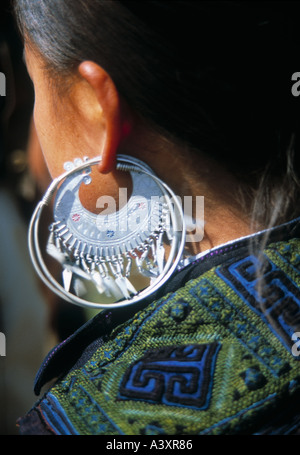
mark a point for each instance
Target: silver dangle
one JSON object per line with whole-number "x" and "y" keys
{"x": 114, "y": 259}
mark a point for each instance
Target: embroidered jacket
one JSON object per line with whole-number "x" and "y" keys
{"x": 216, "y": 352}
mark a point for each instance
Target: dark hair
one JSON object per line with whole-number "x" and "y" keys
{"x": 215, "y": 75}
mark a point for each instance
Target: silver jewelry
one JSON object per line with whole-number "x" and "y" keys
{"x": 107, "y": 255}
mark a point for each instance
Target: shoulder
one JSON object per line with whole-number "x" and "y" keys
{"x": 215, "y": 356}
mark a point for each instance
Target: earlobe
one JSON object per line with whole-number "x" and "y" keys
{"x": 109, "y": 99}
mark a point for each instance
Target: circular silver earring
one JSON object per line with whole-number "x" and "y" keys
{"x": 113, "y": 259}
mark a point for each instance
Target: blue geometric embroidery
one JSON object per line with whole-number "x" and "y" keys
{"x": 56, "y": 417}
{"x": 174, "y": 376}
{"x": 279, "y": 304}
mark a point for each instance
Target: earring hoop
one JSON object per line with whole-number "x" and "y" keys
{"x": 90, "y": 251}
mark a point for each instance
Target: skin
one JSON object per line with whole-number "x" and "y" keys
{"x": 89, "y": 118}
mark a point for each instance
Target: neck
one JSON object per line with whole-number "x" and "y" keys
{"x": 196, "y": 178}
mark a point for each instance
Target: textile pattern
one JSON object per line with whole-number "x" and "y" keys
{"x": 214, "y": 357}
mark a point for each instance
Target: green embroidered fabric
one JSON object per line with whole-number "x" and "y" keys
{"x": 215, "y": 357}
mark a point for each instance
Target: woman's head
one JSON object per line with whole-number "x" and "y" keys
{"x": 212, "y": 75}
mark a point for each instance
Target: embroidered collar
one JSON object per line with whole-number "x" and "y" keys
{"x": 76, "y": 349}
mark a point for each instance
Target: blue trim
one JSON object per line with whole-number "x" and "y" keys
{"x": 56, "y": 417}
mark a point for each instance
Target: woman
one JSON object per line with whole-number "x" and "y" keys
{"x": 201, "y": 93}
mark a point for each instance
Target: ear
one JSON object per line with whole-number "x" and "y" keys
{"x": 109, "y": 99}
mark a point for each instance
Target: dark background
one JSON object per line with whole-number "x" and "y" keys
{"x": 32, "y": 319}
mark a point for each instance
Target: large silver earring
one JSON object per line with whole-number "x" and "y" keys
{"x": 109, "y": 260}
